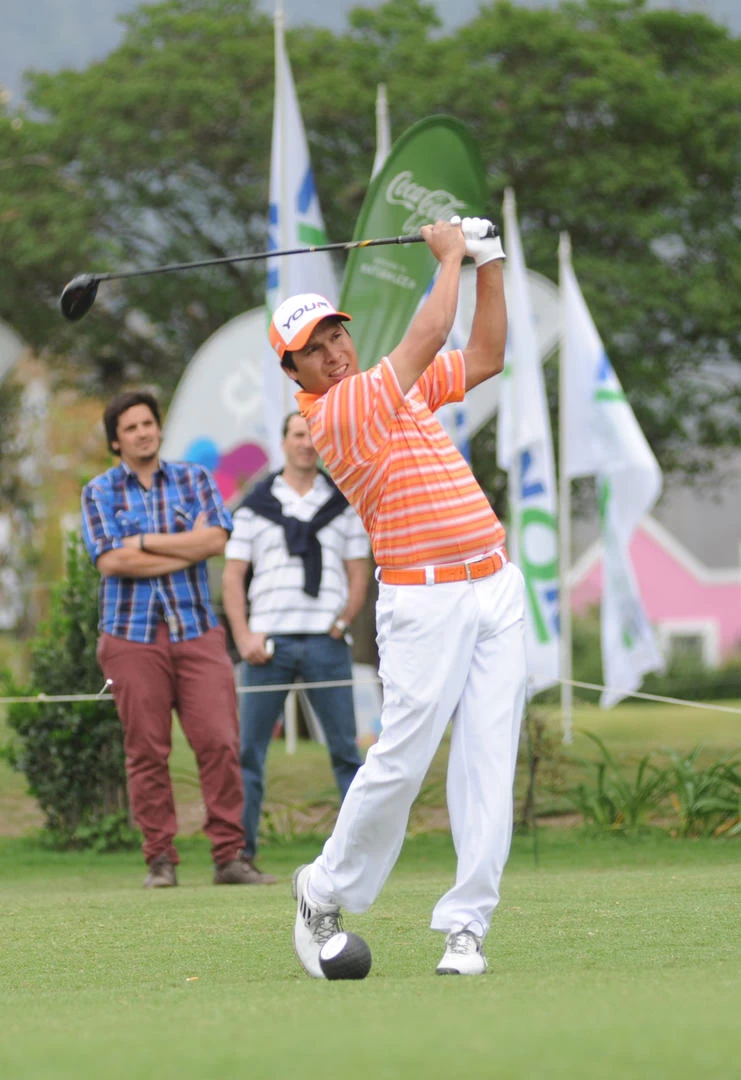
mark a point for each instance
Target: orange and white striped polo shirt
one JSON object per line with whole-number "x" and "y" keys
{"x": 388, "y": 454}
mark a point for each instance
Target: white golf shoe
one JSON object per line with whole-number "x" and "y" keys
{"x": 463, "y": 955}
{"x": 315, "y": 924}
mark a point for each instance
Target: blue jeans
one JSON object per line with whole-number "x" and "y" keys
{"x": 308, "y": 658}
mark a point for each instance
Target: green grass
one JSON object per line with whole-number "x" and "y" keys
{"x": 634, "y": 728}
{"x": 611, "y": 958}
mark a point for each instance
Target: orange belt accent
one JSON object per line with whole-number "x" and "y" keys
{"x": 441, "y": 575}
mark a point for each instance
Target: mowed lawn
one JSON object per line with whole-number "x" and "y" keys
{"x": 611, "y": 957}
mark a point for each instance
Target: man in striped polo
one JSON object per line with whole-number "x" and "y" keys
{"x": 149, "y": 527}
{"x": 307, "y": 553}
{"x": 450, "y": 611}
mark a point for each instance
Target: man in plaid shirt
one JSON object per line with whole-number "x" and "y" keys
{"x": 149, "y": 527}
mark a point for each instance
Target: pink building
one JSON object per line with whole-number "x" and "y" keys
{"x": 688, "y": 566}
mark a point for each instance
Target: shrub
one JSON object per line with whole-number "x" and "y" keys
{"x": 697, "y": 683}
{"x": 71, "y": 752}
{"x": 619, "y": 799}
{"x": 706, "y": 800}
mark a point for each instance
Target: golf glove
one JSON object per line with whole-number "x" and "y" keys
{"x": 480, "y": 247}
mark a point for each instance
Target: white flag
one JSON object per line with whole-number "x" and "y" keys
{"x": 525, "y": 451}
{"x": 603, "y": 439}
{"x": 295, "y": 221}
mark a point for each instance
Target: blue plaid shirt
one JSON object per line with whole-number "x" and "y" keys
{"x": 115, "y": 505}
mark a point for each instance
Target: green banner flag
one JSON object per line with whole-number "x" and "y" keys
{"x": 433, "y": 171}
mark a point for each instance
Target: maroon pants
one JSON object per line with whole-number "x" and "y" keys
{"x": 195, "y": 678}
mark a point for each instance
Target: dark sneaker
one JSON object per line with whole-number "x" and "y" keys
{"x": 241, "y": 871}
{"x": 463, "y": 955}
{"x": 315, "y": 925}
{"x": 161, "y": 874}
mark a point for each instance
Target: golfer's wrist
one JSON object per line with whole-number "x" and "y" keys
{"x": 340, "y": 624}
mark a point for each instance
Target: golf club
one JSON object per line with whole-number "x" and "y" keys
{"x": 78, "y": 296}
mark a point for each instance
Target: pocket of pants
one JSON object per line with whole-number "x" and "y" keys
{"x": 108, "y": 648}
{"x": 386, "y": 606}
{"x": 105, "y": 652}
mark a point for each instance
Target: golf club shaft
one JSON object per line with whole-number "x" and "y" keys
{"x": 346, "y": 245}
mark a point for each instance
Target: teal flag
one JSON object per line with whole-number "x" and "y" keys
{"x": 433, "y": 171}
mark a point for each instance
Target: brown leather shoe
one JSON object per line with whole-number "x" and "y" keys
{"x": 241, "y": 871}
{"x": 161, "y": 874}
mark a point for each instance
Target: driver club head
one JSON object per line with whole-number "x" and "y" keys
{"x": 79, "y": 296}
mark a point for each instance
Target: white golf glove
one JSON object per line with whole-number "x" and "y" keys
{"x": 480, "y": 247}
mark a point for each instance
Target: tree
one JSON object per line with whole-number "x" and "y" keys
{"x": 16, "y": 505}
{"x": 617, "y": 124}
{"x": 46, "y": 221}
{"x": 158, "y": 154}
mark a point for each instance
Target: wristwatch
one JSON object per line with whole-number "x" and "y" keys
{"x": 341, "y": 624}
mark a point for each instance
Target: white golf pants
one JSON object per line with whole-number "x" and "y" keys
{"x": 453, "y": 651}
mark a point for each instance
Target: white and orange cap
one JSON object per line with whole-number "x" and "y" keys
{"x": 294, "y": 320}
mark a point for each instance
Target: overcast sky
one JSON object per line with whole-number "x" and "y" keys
{"x": 48, "y": 34}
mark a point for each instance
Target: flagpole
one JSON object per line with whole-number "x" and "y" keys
{"x": 513, "y": 477}
{"x": 290, "y": 706}
{"x": 280, "y": 108}
{"x": 509, "y": 213}
{"x": 564, "y": 520}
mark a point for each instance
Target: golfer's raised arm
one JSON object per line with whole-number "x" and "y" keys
{"x": 433, "y": 322}
{"x": 484, "y": 353}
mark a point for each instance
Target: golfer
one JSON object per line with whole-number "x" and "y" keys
{"x": 450, "y": 608}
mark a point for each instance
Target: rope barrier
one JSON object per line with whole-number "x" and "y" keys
{"x": 49, "y": 699}
{"x": 655, "y": 697}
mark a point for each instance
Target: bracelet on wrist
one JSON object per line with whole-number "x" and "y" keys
{"x": 141, "y": 542}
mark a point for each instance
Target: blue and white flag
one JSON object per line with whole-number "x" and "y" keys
{"x": 525, "y": 452}
{"x": 295, "y": 221}
{"x": 603, "y": 439}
